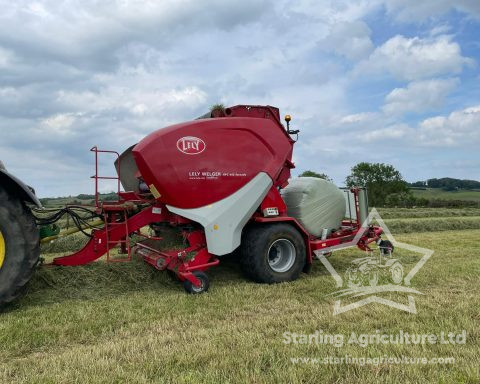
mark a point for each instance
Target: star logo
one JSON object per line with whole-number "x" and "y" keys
{"x": 362, "y": 277}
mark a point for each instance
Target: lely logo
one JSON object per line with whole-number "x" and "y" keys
{"x": 191, "y": 145}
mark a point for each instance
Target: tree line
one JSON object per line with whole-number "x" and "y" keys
{"x": 387, "y": 188}
{"x": 447, "y": 184}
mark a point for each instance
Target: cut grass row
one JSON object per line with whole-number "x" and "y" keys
{"x": 398, "y": 213}
{"x": 432, "y": 224}
{"x": 125, "y": 323}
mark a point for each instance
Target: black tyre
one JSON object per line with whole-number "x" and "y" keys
{"x": 190, "y": 288}
{"x": 19, "y": 247}
{"x": 273, "y": 253}
{"x": 386, "y": 247}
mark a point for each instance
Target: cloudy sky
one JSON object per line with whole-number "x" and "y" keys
{"x": 394, "y": 81}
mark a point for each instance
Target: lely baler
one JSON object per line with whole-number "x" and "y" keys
{"x": 221, "y": 180}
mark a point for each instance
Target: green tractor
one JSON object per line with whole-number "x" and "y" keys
{"x": 19, "y": 237}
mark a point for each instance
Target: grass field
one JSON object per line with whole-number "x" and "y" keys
{"x": 125, "y": 323}
{"x": 438, "y": 193}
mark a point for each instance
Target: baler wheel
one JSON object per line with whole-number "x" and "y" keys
{"x": 190, "y": 288}
{"x": 19, "y": 246}
{"x": 273, "y": 253}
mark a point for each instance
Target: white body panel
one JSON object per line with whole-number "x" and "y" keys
{"x": 224, "y": 220}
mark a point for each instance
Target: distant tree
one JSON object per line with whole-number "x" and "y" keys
{"x": 84, "y": 196}
{"x": 315, "y": 174}
{"x": 402, "y": 199}
{"x": 450, "y": 187}
{"x": 112, "y": 196}
{"x": 450, "y": 184}
{"x": 380, "y": 180}
{"x": 418, "y": 184}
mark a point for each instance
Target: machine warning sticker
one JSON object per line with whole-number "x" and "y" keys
{"x": 191, "y": 145}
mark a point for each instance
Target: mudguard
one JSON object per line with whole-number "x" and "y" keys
{"x": 13, "y": 184}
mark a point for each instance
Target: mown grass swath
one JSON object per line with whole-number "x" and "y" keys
{"x": 128, "y": 323}
{"x": 108, "y": 323}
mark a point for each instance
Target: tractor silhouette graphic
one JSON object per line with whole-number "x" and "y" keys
{"x": 367, "y": 270}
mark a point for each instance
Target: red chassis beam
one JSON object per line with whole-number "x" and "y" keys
{"x": 98, "y": 246}
{"x": 182, "y": 262}
{"x": 346, "y": 236}
{"x": 341, "y": 237}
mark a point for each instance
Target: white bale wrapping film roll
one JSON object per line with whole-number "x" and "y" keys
{"x": 318, "y": 204}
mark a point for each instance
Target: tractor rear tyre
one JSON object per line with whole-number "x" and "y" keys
{"x": 19, "y": 247}
{"x": 273, "y": 253}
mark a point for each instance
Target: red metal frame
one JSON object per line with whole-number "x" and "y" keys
{"x": 194, "y": 258}
{"x": 99, "y": 245}
{"x": 110, "y": 219}
{"x": 183, "y": 262}
{"x": 97, "y": 177}
{"x": 120, "y": 221}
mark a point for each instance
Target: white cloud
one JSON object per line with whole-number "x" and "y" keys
{"x": 150, "y": 99}
{"x": 58, "y": 124}
{"x": 349, "y": 39}
{"x": 331, "y": 11}
{"x": 77, "y": 74}
{"x": 419, "y": 96}
{"x": 459, "y": 128}
{"x": 419, "y": 10}
{"x": 5, "y": 57}
{"x": 37, "y": 9}
{"x": 441, "y": 29}
{"x": 9, "y": 93}
{"x": 92, "y": 32}
{"x": 386, "y": 135}
{"x": 358, "y": 118}
{"x": 415, "y": 58}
